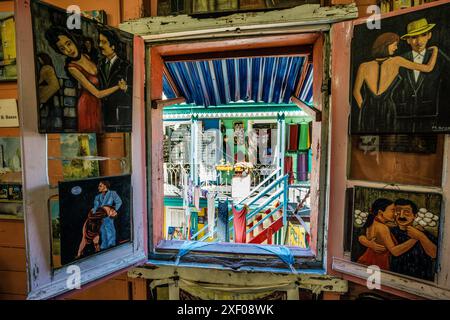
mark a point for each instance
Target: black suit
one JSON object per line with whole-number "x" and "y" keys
{"x": 117, "y": 107}
{"x": 421, "y": 103}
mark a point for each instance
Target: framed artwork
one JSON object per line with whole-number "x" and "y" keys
{"x": 84, "y": 76}
{"x": 10, "y": 155}
{"x": 94, "y": 216}
{"x": 400, "y": 77}
{"x": 56, "y": 231}
{"x": 8, "y": 65}
{"x": 76, "y": 149}
{"x": 97, "y": 15}
{"x": 397, "y": 231}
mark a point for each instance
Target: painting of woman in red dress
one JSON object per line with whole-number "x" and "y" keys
{"x": 80, "y": 67}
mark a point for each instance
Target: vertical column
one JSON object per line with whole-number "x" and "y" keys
{"x": 282, "y": 141}
{"x": 194, "y": 150}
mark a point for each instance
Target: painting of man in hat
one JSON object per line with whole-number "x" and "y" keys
{"x": 420, "y": 98}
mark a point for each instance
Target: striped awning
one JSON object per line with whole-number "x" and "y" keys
{"x": 271, "y": 80}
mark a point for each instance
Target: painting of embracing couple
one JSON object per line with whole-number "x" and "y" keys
{"x": 401, "y": 74}
{"x": 396, "y": 231}
{"x": 95, "y": 215}
{"x": 84, "y": 76}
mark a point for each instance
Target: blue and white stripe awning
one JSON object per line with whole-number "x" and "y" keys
{"x": 220, "y": 82}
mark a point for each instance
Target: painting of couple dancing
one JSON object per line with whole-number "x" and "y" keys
{"x": 396, "y": 231}
{"x": 401, "y": 74}
{"x": 84, "y": 76}
{"x": 94, "y": 215}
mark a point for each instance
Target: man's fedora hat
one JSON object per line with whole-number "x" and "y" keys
{"x": 418, "y": 27}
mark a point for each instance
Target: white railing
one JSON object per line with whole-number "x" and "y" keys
{"x": 221, "y": 183}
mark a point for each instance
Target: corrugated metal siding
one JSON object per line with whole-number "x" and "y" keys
{"x": 219, "y": 82}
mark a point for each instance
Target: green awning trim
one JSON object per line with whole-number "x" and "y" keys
{"x": 178, "y": 202}
{"x": 232, "y": 110}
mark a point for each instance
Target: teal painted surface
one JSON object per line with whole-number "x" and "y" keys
{"x": 178, "y": 202}
{"x": 249, "y": 107}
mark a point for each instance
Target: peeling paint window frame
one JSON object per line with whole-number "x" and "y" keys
{"x": 166, "y": 253}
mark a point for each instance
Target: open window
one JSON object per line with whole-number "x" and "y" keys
{"x": 68, "y": 159}
{"x": 243, "y": 154}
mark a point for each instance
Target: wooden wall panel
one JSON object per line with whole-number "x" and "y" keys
{"x": 398, "y": 167}
{"x": 55, "y": 168}
{"x": 111, "y": 145}
{"x": 8, "y": 90}
{"x": 252, "y": 4}
{"x": 13, "y": 282}
{"x": 114, "y": 289}
{"x": 6, "y": 6}
{"x": 12, "y": 259}
{"x": 112, "y": 7}
{"x": 8, "y": 296}
{"x": 12, "y": 234}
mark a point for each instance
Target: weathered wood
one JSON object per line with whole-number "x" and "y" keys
{"x": 139, "y": 289}
{"x": 155, "y": 170}
{"x": 331, "y": 296}
{"x": 268, "y": 52}
{"x": 341, "y": 35}
{"x": 314, "y": 282}
{"x": 444, "y": 244}
{"x": 414, "y": 286}
{"x": 174, "y": 291}
{"x": 12, "y": 259}
{"x": 7, "y": 296}
{"x": 319, "y": 149}
{"x": 181, "y": 25}
{"x": 114, "y": 289}
{"x": 13, "y": 282}
{"x": 314, "y": 113}
{"x": 12, "y": 233}
{"x": 159, "y": 104}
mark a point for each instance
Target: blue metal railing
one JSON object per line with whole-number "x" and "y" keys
{"x": 281, "y": 184}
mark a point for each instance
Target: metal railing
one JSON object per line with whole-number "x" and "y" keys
{"x": 275, "y": 190}
{"x": 221, "y": 183}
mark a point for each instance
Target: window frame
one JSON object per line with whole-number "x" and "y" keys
{"x": 43, "y": 281}
{"x": 191, "y": 49}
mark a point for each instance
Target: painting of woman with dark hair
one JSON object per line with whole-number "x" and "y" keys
{"x": 376, "y": 81}
{"x": 84, "y": 71}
